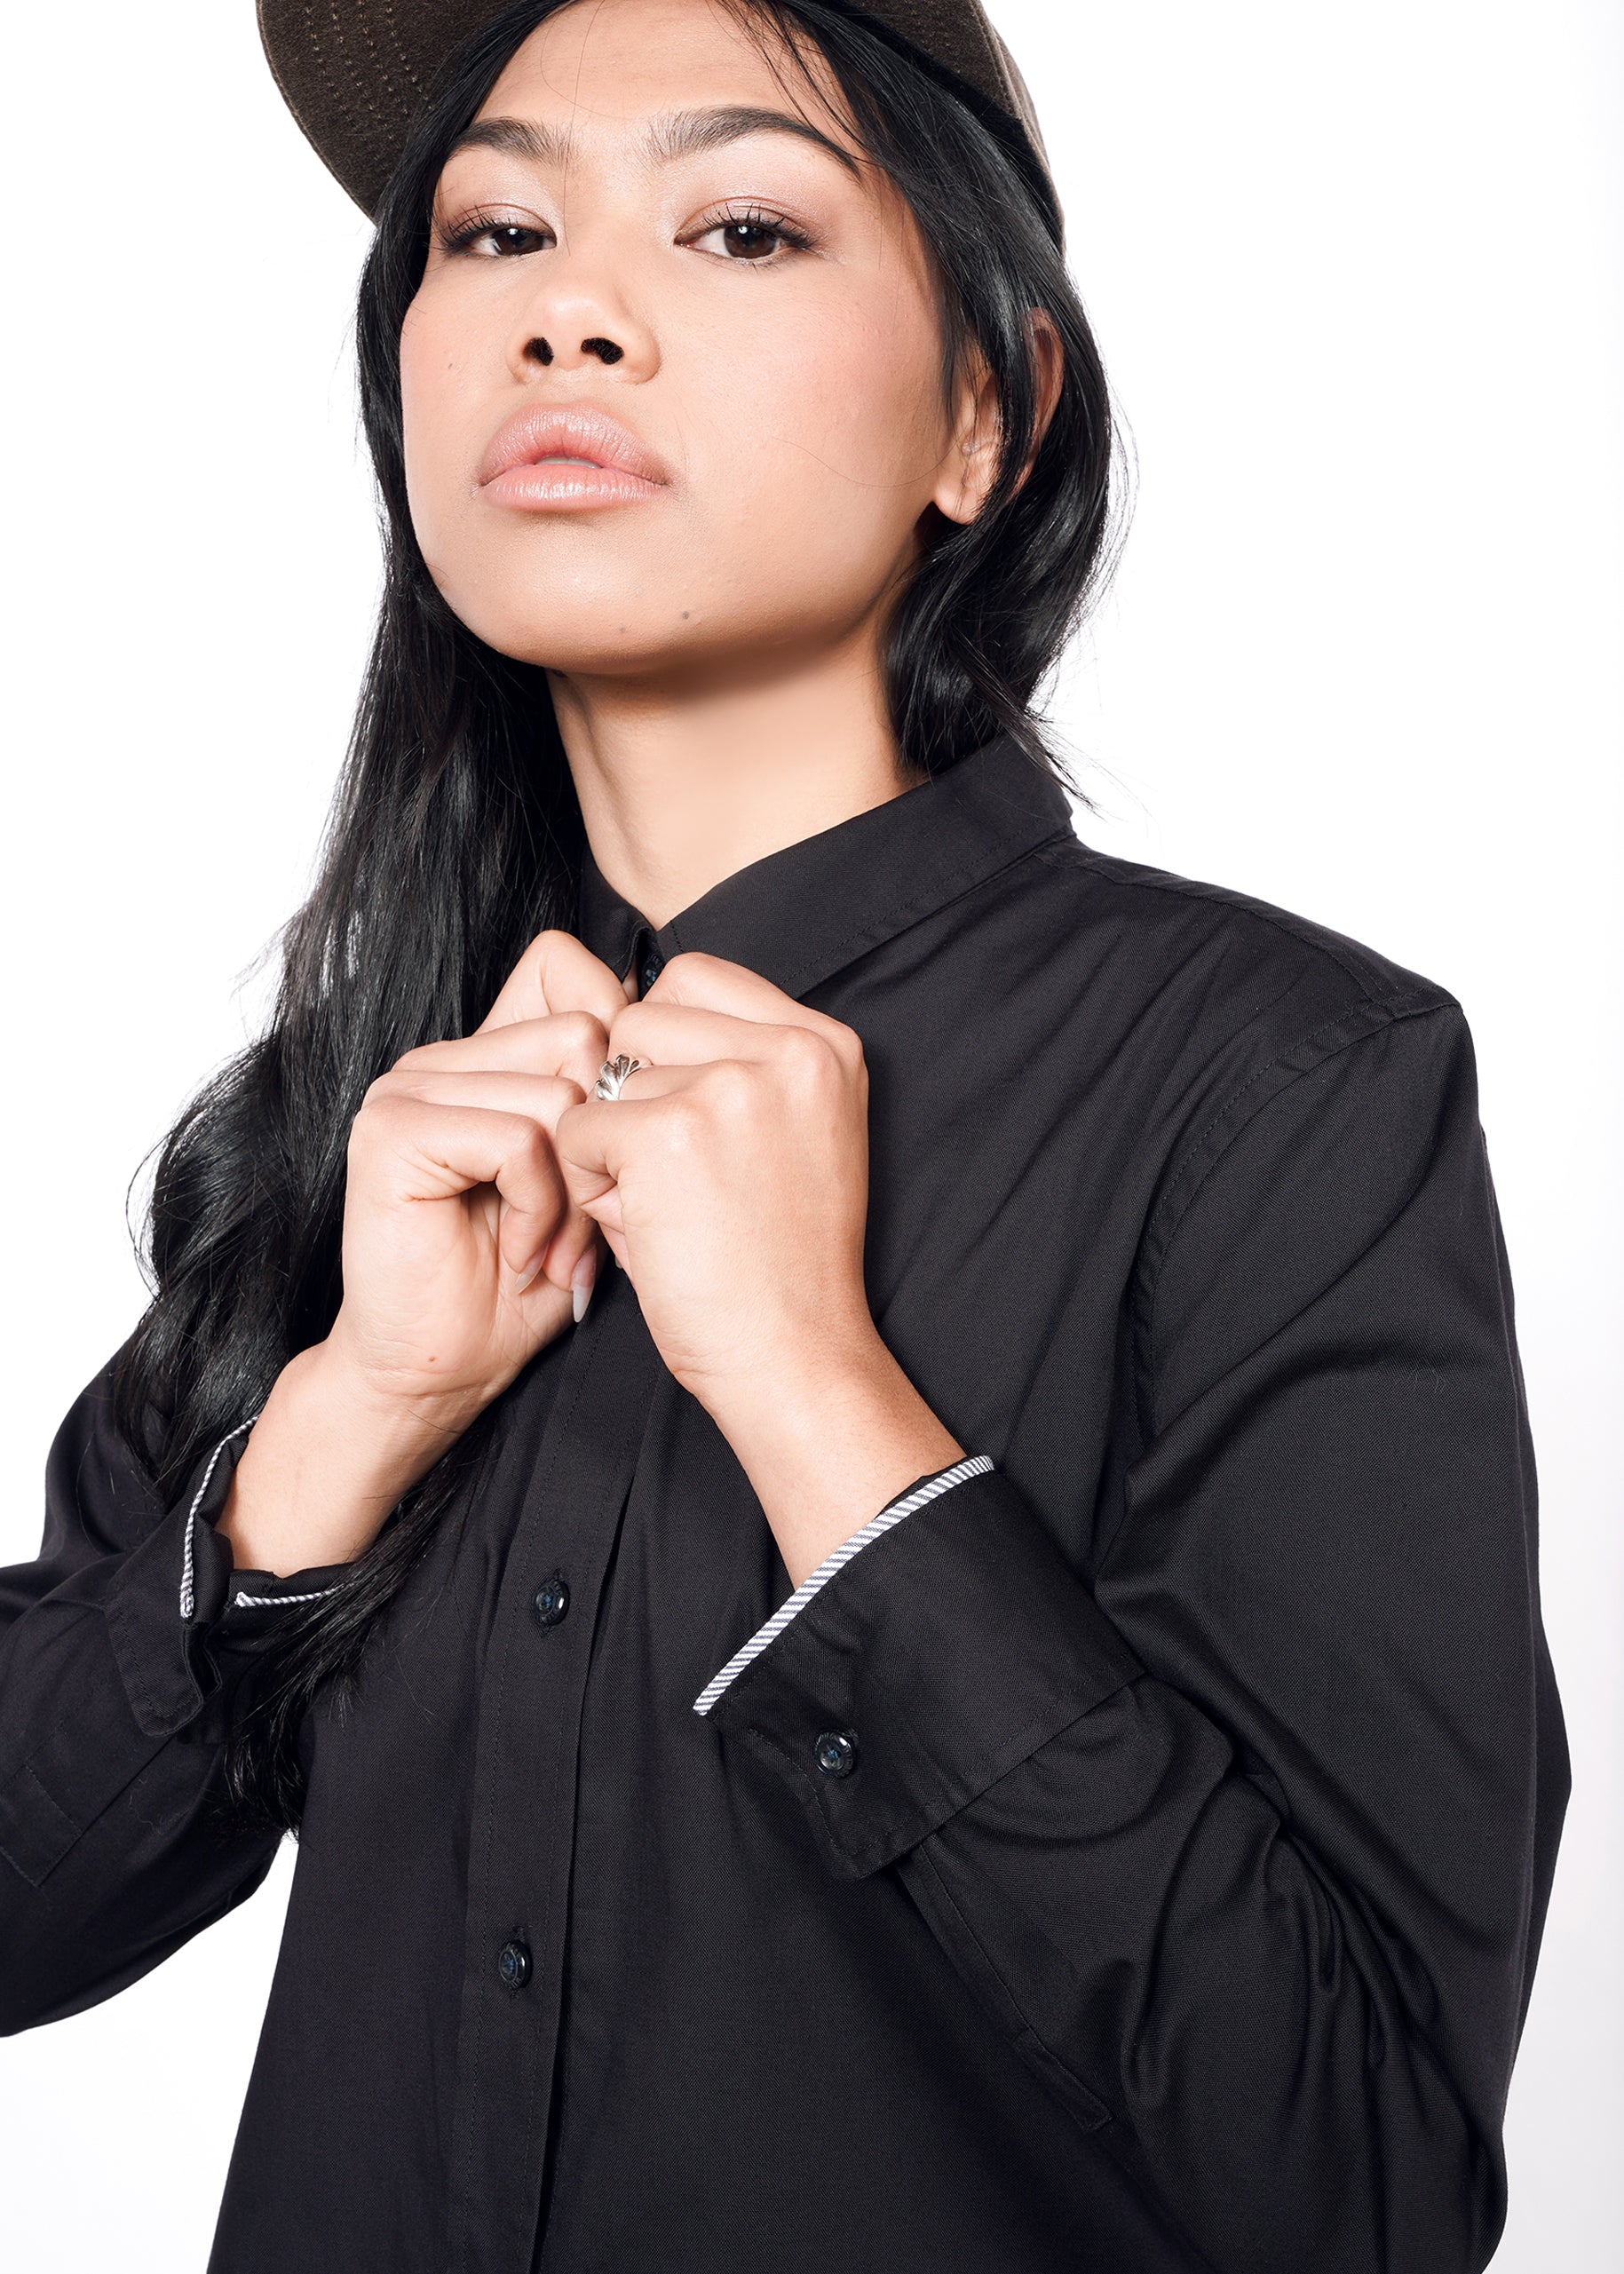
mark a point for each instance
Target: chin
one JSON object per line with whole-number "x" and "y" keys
{"x": 550, "y": 637}
{"x": 615, "y": 632}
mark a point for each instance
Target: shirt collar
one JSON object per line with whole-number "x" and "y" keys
{"x": 802, "y": 914}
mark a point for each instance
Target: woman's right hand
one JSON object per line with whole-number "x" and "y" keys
{"x": 461, "y": 1254}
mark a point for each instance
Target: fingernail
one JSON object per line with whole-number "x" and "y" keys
{"x": 522, "y": 1279}
{"x": 583, "y": 1280}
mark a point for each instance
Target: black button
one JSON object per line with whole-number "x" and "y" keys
{"x": 649, "y": 961}
{"x": 551, "y": 1600}
{"x": 836, "y": 1753}
{"x": 513, "y": 1964}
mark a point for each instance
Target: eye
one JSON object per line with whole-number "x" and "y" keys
{"x": 488, "y": 237}
{"x": 753, "y": 238}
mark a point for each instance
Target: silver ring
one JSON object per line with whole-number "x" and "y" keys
{"x": 612, "y": 1078}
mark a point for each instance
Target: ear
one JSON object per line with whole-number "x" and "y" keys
{"x": 1049, "y": 370}
{"x": 970, "y": 464}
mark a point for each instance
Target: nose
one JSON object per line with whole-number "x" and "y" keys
{"x": 579, "y": 307}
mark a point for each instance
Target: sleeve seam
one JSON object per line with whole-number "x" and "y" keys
{"x": 1347, "y": 955}
{"x": 1397, "y": 1008}
{"x": 921, "y": 1861}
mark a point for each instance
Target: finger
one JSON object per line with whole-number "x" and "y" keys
{"x": 415, "y": 1149}
{"x": 573, "y": 1044}
{"x": 543, "y": 1097}
{"x": 590, "y": 1177}
{"x": 557, "y": 972}
{"x": 591, "y": 1155}
{"x": 593, "y": 1150}
{"x": 595, "y": 1139}
{"x": 713, "y": 983}
{"x": 539, "y": 1098}
{"x": 663, "y": 1034}
{"x": 705, "y": 1007}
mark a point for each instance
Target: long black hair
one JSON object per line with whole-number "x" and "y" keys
{"x": 455, "y": 834}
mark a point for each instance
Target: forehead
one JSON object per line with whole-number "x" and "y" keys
{"x": 604, "y": 68}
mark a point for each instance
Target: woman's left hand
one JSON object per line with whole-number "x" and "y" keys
{"x": 731, "y": 1179}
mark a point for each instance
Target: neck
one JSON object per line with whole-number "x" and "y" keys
{"x": 681, "y": 786}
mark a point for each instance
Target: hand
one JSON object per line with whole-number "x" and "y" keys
{"x": 731, "y": 1179}
{"x": 461, "y": 1245}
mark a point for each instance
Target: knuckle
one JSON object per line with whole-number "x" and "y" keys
{"x": 844, "y": 1042}
{"x": 731, "y": 1087}
{"x": 802, "y": 1047}
{"x": 368, "y": 1132}
{"x": 807, "y": 1060}
{"x": 688, "y": 962}
{"x": 580, "y": 1030}
{"x": 682, "y": 1124}
{"x": 543, "y": 949}
{"x": 532, "y": 1149}
{"x": 377, "y": 1097}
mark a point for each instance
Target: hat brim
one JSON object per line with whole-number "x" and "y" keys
{"x": 356, "y": 73}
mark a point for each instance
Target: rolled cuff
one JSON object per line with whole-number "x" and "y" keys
{"x": 940, "y": 1480}
{"x": 861, "y": 1703}
{"x": 178, "y": 1592}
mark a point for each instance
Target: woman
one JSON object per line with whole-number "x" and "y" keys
{"x": 860, "y": 1474}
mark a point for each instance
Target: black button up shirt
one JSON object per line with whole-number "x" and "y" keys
{"x": 1130, "y": 1851}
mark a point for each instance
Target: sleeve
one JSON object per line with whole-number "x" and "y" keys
{"x": 123, "y": 1651}
{"x": 1244, "y": 1841}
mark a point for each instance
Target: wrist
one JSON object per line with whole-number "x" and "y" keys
{"x": 394, "y": 1408}
{"x": 327, "y": 1459}
{"x": 397, "y": 1424}
{"x": 827, "y": 1441}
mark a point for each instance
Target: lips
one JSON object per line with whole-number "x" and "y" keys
{"x": 539, "y": 436}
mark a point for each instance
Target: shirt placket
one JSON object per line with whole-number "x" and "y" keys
{"x": 573, "y": 1489}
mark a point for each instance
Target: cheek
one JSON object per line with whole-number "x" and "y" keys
{"x": 832, "y": 423}
{"x": 431, "y": 383}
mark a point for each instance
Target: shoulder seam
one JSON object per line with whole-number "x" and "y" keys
{"x": 1302, "y": 930}
{"x": 1358, "y": 1022}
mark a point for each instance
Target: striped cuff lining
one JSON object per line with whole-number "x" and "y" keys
{"x": 188, "y": 1568}
{"x": 976, "y": 1465}
{"x": 315, "y": 1595}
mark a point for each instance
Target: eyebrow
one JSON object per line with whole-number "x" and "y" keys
{"x": 674, "y": 134}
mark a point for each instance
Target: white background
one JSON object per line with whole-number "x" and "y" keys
{"x": 1356, "y": 274}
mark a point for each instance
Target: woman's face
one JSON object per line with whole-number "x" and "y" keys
{"x": 751, "y": 309}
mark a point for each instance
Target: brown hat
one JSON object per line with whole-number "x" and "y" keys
{"x": 354, "y": 72}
